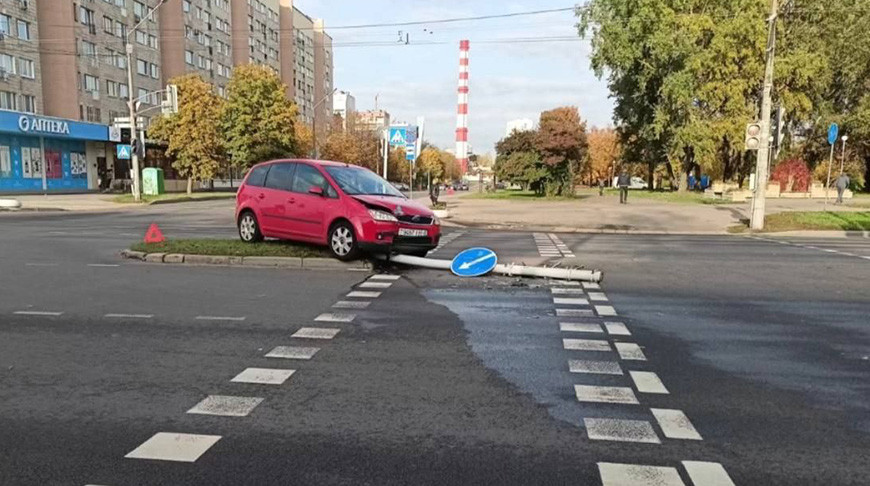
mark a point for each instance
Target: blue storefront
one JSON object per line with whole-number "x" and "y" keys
{"x": 44, "y": 154}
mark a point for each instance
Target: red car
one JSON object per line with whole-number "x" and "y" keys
{"x": 348, "y": 208}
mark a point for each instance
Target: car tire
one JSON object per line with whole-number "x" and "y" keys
{"x": 249, "y": 228}
{"x": 342, "y": 242}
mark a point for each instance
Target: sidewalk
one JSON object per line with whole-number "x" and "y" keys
{"x": 71, "y": 202}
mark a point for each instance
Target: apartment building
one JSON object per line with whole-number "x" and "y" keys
{"x": 322, "y": 73}
{"x": 20, "y": 68}
{"x": 375, "y": 120}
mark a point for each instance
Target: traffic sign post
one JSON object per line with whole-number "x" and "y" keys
{"x": 833, "y": 131}
{"x": 474, "y": 262}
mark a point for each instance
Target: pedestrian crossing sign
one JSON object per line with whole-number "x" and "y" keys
{"x": 398, "y": 136}
{"x": 124, "y": 152}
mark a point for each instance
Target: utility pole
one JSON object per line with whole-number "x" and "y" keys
{"x": 843, "y": 157}
{"x": 386, "y": 150}
{"x": 314, "y": 128}
{"x": 762, "y": 164}
{"x": 131, "y": 101}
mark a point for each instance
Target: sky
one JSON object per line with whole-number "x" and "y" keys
{"x": 509, "y": 79}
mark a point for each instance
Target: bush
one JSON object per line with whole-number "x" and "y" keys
{"x": 793, "y": 175}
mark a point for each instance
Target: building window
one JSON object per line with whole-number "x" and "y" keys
{"x": 120, "y": 30}
{"x": 8, "y": 100}
{"x": 185, "y": 5}
{"x": 139, "y": 9}
{"x": 26, "y": 68}
{"x": 142, "y": 67}
{"x": 155, "y": 71}
{"x": 89, "y": 49}
{"x": 5, "y": 24}
{"x": 91, "y": 83}
{"x": 121, "y": 61}
{"x": 93, "y": 114}
{"x": 7, "y": 64}
{"x": 23, "y": 30}
{"x": 121, "y": 3}
{"x": 28, "y": 103}
{"x": 188, "y": 57}
{"x": 152, "y": 41}
{"x": 141, "y": 38}
{"x": 112, "y": 89}
{"x": 86, "y": 17}
{"x": 123, "y": 91}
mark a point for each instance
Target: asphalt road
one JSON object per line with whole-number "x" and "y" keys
{"x": 762, "y": 347}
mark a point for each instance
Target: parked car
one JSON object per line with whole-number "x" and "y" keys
{"x": 463, "y": 186}
{"x": 401, "y": 186}
{"x": 348, "y": 208}
{"x": 636, "y": 183}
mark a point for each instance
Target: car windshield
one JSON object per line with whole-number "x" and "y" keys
{"x": 356, "y": 181}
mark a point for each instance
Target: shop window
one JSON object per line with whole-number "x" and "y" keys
{"x": 31, "y": 162}
{"x": 5, "y": 161}
{"x": 78, "y": 165}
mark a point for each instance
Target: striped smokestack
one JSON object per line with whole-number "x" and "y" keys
{"x": 462, "y": 109}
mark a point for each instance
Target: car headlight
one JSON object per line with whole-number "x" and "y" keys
{"x": 436, "y": 221}
{"x": 382, "y": 216}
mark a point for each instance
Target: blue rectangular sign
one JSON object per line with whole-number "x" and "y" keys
{"x": 398, "y": 136}
{"x": 42, "y": 126}
{"x": 124, "y": 151}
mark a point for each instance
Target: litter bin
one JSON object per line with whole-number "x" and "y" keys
{"x": 152, "y": 182}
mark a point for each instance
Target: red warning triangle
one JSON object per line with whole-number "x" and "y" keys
{"x": 154, "y": 235}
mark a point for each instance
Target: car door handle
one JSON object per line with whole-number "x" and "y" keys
{"x": 262, "y": 196}
{"x": 291, "y": 201}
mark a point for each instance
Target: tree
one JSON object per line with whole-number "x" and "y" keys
{"x": 193, "y": 140}
{"x": 604, "y": 153}
{"x": 430, "y": 163}
{"x": 304, "y": 139}
{"x": 258, "y": 121}
{"x": 561, "y": 142}
{"x": 522, "y": 142}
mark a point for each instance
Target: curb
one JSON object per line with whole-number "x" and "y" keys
{"x": 253, "y": 262}
{"x": 571, "y": 229}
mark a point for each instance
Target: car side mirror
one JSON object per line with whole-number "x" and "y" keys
{"x": 318, "y": 191}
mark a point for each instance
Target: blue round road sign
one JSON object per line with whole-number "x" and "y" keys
{"x": 474, "y": 262}
{"x": 833, "y": 131}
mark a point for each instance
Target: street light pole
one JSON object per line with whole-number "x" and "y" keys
{"x": 314, "y": 128}
{"x": 843, "y": 157}
{"x": 131, "y": 101}
{"x": 761, "y": 167}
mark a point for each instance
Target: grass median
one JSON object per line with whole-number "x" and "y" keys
{"x": 174, "y": 198}
{"x": 813, "y": 221}
{"x": 517, "y": 195}
{"x": 234, "y": 248}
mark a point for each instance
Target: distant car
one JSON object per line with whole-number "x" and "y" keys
{"x": 636, "y": 183}
{"x": 401, "y": 186}
{"x": 463, "y": 186}
{"x": 348, "y": 208}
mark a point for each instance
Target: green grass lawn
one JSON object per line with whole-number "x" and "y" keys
{"x": 234, "y": 248}
{"x": 813, "y": 220}
{"x": 671, "y": 196}
{"x": 174, "y": 197}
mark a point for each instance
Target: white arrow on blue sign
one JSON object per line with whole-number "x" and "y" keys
{"x": 124, "y": 152}
{"x": 833, "y": 131}
{"x": 474, "y": 262}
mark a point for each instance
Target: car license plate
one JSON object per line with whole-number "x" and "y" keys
{"x": 412, "y": 232}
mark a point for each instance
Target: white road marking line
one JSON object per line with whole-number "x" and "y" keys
{"x": 597, "y": 296}
{"x": 605, "y": 394}
{"x": 829, "y": 250}
{"x": 578, "y": 327}
{"x": 648, "y": 382}
{"x": 41, "y": 264}
{"x": 316, "y": 333}
{"x": 351, "y": 304}
{"x": 613, "y": 474}
{"x": 292, "y": 352}
{"x": 375, "y": 285}
{"x": 569, "y": 301}
{"x": 570, "y": 255}
{"x": 103, "y": 265}
{"x": 263, "y": 376}
{"x": 565, "y": 291}
{"x": 167, "y": 446}
{"x": 385, "y": 277}
{"x": 586, "y": 345}
{"x": 128, "y": 316}
{"x": 591, "y": 286}
{"x": 220, "y": 318}
{"x": 866, "y": 257}
{"x": 573, "y": 312}
{"x": 605, "y": 310}
{"x": 364, "y": 295}
{"x": 566, "y": 283}
{"x": 707, "y": 473}
{"x": 675, "y": 424}
{"x": 621, "y": 431}
{"x": 848, "y": 254}
{"x": 617, "y": 329}
{"x": 226, "y": 406}
{"x": 335, "y": 317}
{"x": 38, "y": 313}
{"x": 630, "y": 351}
{"x": 594, "y": 367}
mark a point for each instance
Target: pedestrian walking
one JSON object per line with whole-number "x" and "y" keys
{"x": 623, "y": 181}
{"x": 842, "y": 183}
{"x": 434, "y": 192}
{"x": 600, "y": 187}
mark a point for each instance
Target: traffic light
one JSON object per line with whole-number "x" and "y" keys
{"x": 778, "y": 130}
{"x": 753, "y": 136}
{"x": 125, "y": 136}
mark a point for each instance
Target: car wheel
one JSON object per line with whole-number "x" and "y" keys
{"x": 342, "y": 242}
{"x": 249, "y": 228}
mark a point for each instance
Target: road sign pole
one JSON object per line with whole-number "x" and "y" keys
{"x": 761, "y": 166}
{"x": 828, "y": 184}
